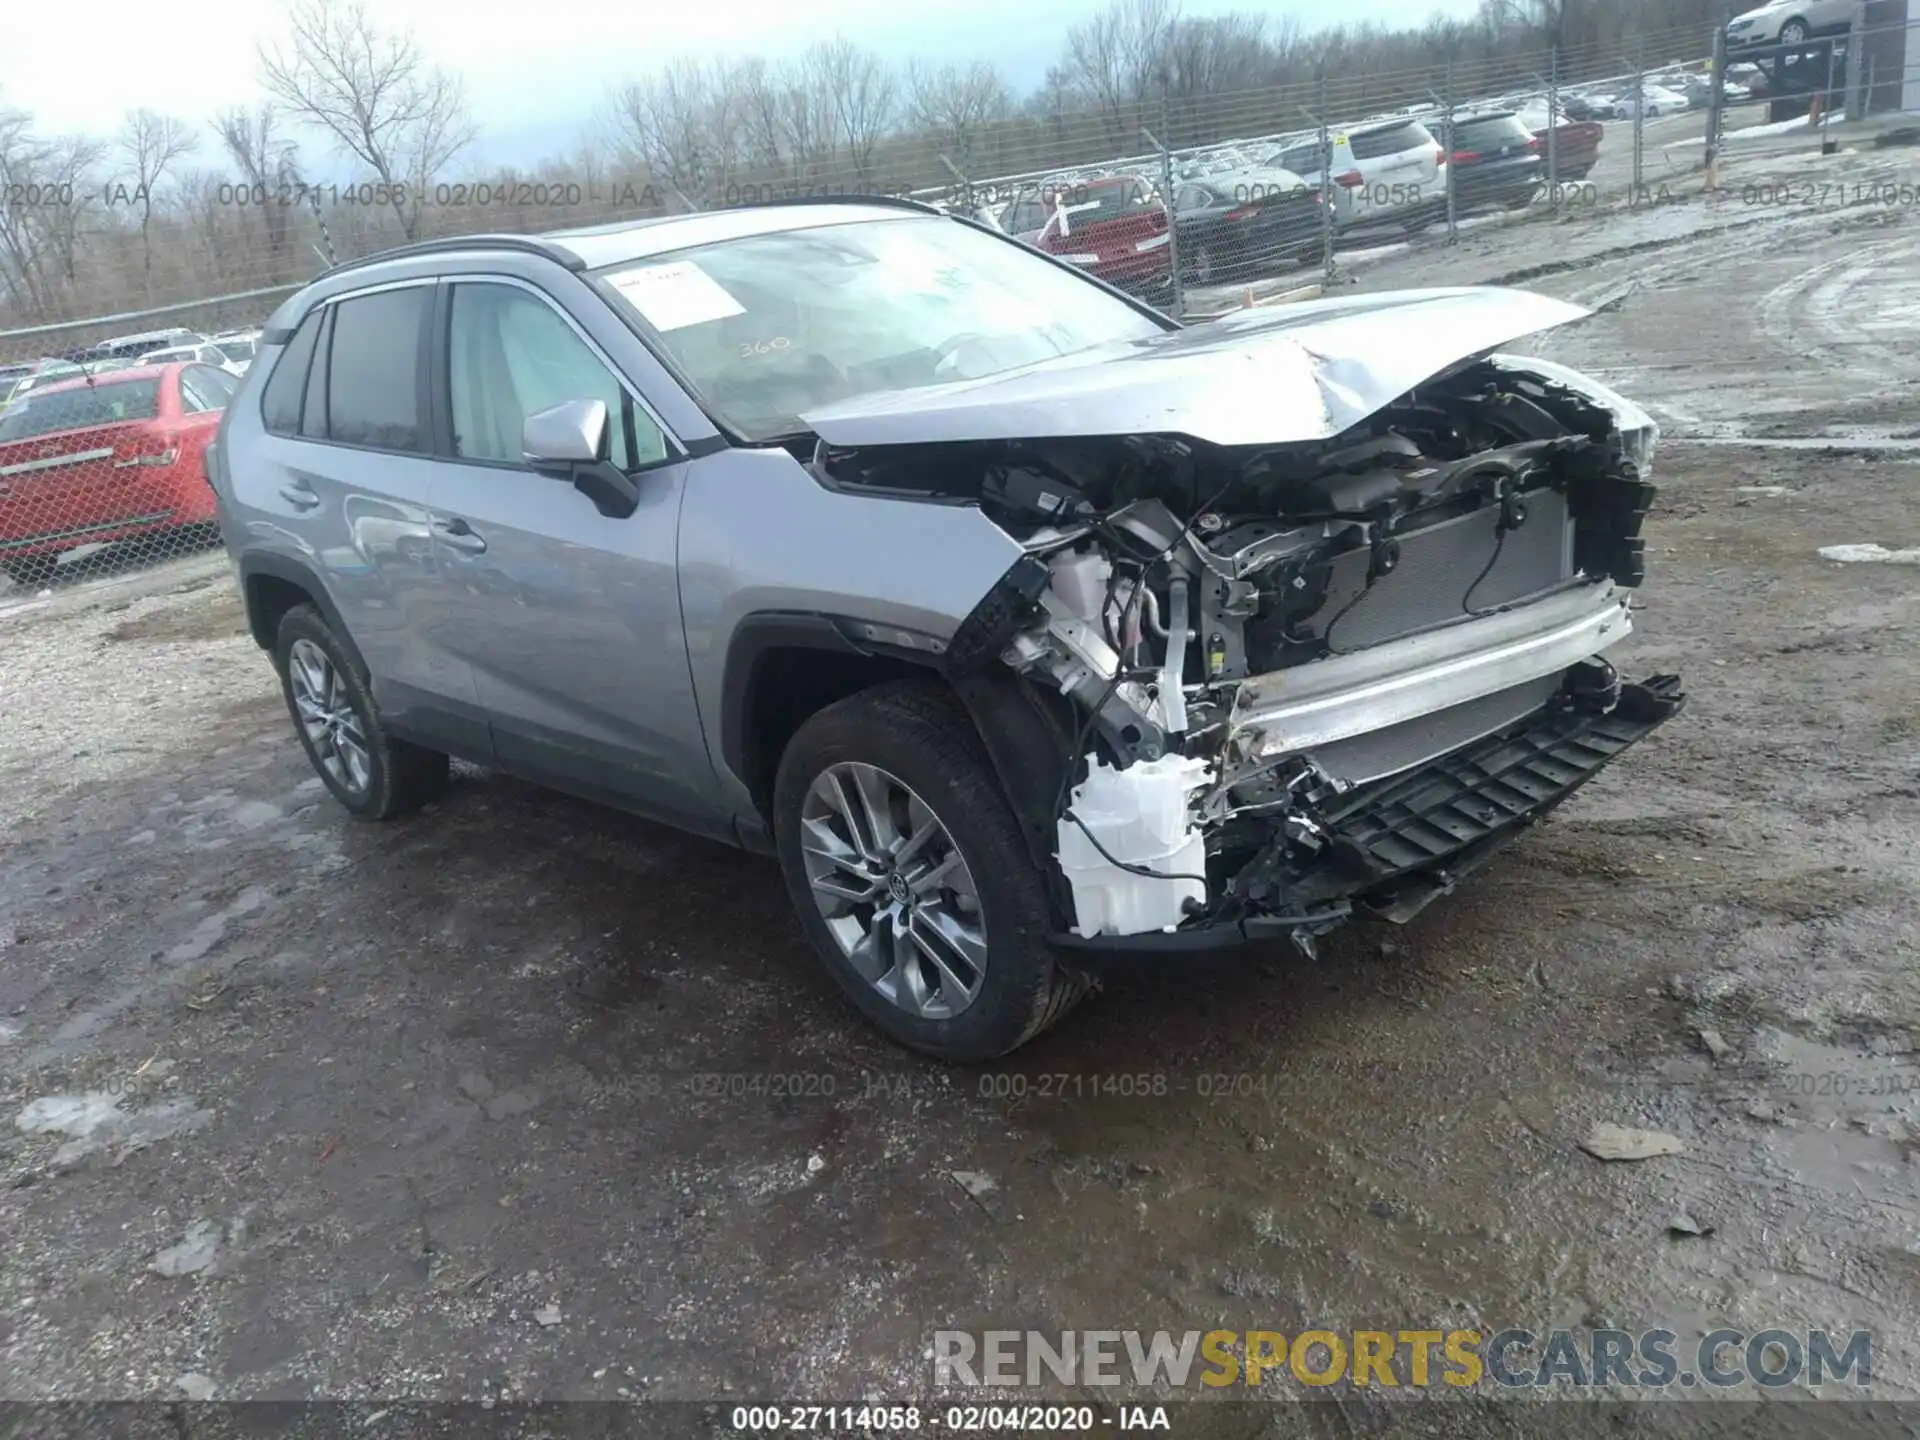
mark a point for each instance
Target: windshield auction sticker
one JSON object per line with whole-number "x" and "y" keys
{"x": 676, "y": 295}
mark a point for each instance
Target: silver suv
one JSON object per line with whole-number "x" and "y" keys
{"x": 1021, "y": 623}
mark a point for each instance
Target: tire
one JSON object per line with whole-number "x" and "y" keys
{"x": 31, "y": 571}
{"x": 396, "y": 776}
{"x": 1794, "y": 32}
{"x": 916, "y": 735}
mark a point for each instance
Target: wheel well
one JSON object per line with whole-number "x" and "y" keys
{"x": 786, "y": 687}
{"x": 269, "y": 598}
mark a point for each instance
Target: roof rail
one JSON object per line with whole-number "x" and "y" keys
{"x": 525, "y": 244}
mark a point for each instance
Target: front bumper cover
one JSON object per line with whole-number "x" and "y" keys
{"x": 1400, "y": 844}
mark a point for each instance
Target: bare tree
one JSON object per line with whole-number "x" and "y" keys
{"x": 375, "y": 92}
{"x": 151, "y": 144}
{"x": 23, "y": 160}
{"x": 861, "y": 93}
{"x": 1116, "y": 58}
{"x": 957, "y": 107}
{"x": 265, "y": 159}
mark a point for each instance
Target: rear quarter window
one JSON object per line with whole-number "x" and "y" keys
{"x": 1491, "y": 133}
{"x": 280, "y": 403}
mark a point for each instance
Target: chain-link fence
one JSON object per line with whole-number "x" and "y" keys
{"x": 1201, "y": 202}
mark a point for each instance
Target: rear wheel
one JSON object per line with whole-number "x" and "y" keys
{"x": 372, "y": 773}
{"x": 907, "y": 867}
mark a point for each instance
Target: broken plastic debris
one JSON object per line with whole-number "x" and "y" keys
{"x": 547, "y": 1316}
{"x": 1616, "y": 1142}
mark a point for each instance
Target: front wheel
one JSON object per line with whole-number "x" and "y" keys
{"x": 1794, "y": 32}
{"x": 911, "y": 878}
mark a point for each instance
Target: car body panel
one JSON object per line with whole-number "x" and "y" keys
{"x": 1304, "y": 371}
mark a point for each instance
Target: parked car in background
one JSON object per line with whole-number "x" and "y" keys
{"x": 37, "y": 373}
{"x": 1389, "y": 173}
{"x": 1577, "y": 106}
{"x": 1114, "y": 226}
{"x": 239, "y": 346}
{"x": 1240, "y": 223}
{"x": 205, "y": 353}
{"x": 1572, "y": 147}
{"x": 1789, "y": 22}
{"x": 95, "y": 459}
{"x": 1650, "y": 102}
{"x": 132, "y": 347}
{"x": 1494, "y": 159}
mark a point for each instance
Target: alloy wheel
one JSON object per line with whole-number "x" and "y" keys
{"x": 326, "y": 713}
{"x": 894, "y": 890}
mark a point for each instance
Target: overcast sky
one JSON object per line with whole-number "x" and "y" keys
{"x": 534, "y": 74}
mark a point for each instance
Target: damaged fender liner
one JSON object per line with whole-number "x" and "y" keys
{"x": 1403, "y": 843}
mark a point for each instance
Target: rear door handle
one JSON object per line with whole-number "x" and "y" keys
{"x": 460, "y": 536}
{"x": 299, "y": 494}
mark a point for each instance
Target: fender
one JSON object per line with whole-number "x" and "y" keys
{"x": 300, "y": 575}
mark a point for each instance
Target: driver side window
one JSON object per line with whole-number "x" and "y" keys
{"x": 510, "y": 355}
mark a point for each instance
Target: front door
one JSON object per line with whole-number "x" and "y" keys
{"x": 570, "y": 619}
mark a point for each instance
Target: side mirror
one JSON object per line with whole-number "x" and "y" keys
{"x": 574, "y": 433}
{"x": 571, "y": 442}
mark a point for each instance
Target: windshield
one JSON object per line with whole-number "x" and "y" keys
{"x": 767, "y": 328}
{"x": 44, "y": 412}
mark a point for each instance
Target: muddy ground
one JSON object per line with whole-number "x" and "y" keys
{"x": 481, "y": 1104}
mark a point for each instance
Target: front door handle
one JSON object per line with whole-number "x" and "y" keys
{"x": 460, "y": 536}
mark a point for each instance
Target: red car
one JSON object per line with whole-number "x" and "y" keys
{"x": 1115, "y": 227}
{"x": 105, "y": 458}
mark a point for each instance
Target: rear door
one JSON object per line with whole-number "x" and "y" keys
{"x": 569, "y": 618}
{"x": 354, "y": 481}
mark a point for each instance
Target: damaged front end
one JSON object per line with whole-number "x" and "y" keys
{"x": 1290, "y": 683}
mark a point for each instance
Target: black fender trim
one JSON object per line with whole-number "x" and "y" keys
{"x": 283, "y": 567}
{"x": 754, "y": 636}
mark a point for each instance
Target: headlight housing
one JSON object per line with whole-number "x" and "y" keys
{"x": 1639, "y": 431}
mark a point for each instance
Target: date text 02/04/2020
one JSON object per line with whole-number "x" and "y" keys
{"x": 951, "y": 1419}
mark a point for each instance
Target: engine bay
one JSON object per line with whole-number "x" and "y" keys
{"x": 1249, "y": 640}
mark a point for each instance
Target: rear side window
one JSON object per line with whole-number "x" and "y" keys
{"x": 1394, "y": 140}
{"x": 50, "y": 411}
{"x": 1302, "y": 159}
{"x": 280, "y": 404}
{"x": 1491, "y": 133}
{"x": 373, "y": 370}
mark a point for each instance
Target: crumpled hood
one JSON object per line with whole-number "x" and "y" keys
{"x": 1303, "y": 371}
